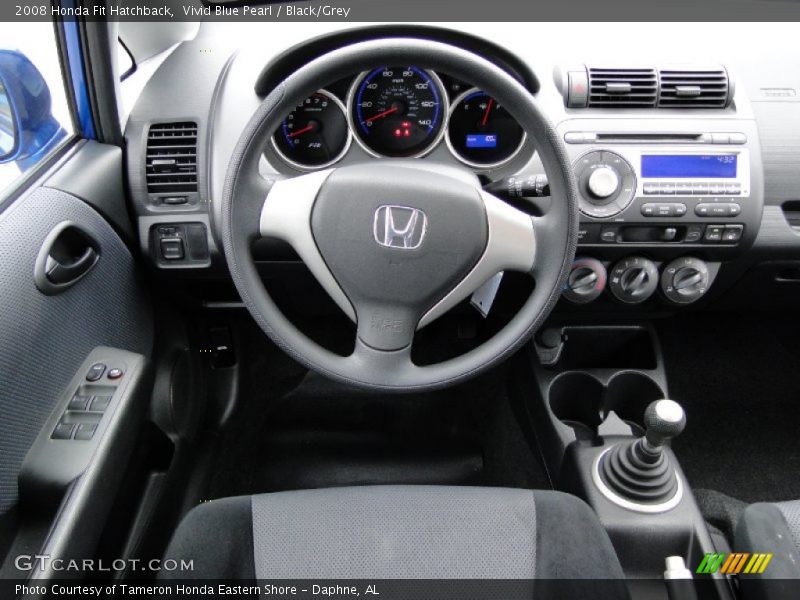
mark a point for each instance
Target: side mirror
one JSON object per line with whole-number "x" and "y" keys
{"x": 28, "y": 129}
{"x": 9, "y": 140}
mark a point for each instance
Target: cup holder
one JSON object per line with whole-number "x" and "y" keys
{"x": 628, "y": 394}
{"x": 576, "y": 399}
{"x": 582, "y": 402}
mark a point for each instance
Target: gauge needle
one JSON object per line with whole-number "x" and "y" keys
{"x": 394, "y": 109}
{"x": 486, "y": 113}
{"x": 301, "y": 131}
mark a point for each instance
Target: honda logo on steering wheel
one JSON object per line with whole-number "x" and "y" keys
{"x": 401, "y": 227}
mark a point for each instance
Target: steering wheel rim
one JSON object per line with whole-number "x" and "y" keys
{"x": 246, "y": 196}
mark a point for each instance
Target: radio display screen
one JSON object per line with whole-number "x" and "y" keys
{"x": 689, "y": 165}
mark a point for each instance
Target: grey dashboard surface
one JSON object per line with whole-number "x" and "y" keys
{"x": 221, "y": 95}
{"x": 43, "y": 339}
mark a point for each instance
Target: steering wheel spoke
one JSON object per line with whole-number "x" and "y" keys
{"x": 286, "y": 215}
{"x": 367, "y": 359}
{"x": 511, "y": 246}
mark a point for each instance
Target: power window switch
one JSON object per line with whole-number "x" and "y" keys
{"x": 172, "y": 248}
{"x": 100, "y": 403}
{"x": 63, "y": 431}
{"x": 95, "y": 372}
{"x": 85, "y": 431}
{"x": 78, "y": 402}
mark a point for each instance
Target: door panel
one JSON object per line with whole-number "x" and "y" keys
{"x": 45, "y": 338}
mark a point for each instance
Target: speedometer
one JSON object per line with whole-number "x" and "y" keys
{"x": 397, "y": 111}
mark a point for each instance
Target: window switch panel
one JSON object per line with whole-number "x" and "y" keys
{"x": 85, "y": 431}
{"x": 100, "y": 403}
{"x": 63, "y": 431}
{"x": 78, "y": 402}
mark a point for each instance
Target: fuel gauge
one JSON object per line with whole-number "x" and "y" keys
{"x": 482, "y": 133}
{"x": 315, "y": 134}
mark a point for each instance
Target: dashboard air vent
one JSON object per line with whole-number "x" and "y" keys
{"x": 622, "y": 88}
{"x": 694, "y": 88}
{"x": 172, "y": 157}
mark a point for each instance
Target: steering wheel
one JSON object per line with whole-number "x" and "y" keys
{"x": 396, "y": 243}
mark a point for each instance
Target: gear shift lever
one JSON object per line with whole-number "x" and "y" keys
{"x": 638, "y": 471}
{"x": 663, "y": 420}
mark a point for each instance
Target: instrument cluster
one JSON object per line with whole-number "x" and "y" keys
{"x": 398, "y": 112}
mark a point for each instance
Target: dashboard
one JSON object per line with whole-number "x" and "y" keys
{"x": 687, "y": 168}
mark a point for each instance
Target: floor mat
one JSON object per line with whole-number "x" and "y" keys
{"x": 738, "y": 377}
{"x": 324, "y": 434}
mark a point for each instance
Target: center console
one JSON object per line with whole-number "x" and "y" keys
{"x": 600, "y": 412}
{"x": 662, "y": 206}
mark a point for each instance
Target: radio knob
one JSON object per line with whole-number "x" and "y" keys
{"x": 603, "y": 182}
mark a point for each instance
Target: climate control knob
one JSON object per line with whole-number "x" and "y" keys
{"x": 586, "y": 281}
{"x": 633, "y": 279}
{"x": 603, "y": 182}
{"x": 685, "y": 280}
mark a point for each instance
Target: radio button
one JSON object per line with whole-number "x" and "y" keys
{"x": 738, "y": 138}
{"x": 667, "y": 189}
{"x": 683, "y": 189}
{"x": 651, "y": 188}
{"x": 723, "y": 209}
{"x": 716, "y": 189}
{"x": 718, "y": 210}
{"x": 700, "y": 189}
{"x": 733, "y": 188}
{"x": 720, "y": 138}
{"x": 663, "y": 209}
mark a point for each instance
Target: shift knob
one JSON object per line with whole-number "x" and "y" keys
{"x": 663, "y": 420}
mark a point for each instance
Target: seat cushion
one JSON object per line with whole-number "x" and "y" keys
{"x": 400, "y": 532}
{"x": 771, "y": 528}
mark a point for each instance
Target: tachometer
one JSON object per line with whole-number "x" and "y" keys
{"x": 397, "y": 111}
{"x": 481, "y": 133}
{"x": 315, "y": 134}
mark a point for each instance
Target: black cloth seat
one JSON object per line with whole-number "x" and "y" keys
{"x": 771, "y": 528}
{"x": 404, "y": 532}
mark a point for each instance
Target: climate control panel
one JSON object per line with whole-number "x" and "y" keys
{"x": 636, "y": 279}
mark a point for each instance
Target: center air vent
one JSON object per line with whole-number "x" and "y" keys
{"x": 172, "y": 158}
{"x": 634, "y": 88}
{"x": 694, "y": 88}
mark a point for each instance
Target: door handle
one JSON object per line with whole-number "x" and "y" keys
{"x": 68, "y": 253}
